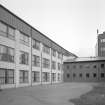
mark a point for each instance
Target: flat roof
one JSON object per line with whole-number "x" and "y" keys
{"x": 85, "y": 59}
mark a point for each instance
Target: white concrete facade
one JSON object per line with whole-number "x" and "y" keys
{"x": 22, "y": 63}
{"x": 16, "y": 66}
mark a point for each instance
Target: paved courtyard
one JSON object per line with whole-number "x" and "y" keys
{"x": 56, "y": 94}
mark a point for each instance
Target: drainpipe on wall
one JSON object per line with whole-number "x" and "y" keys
{"x": 31, "y": 57}
{"x": 51, "y": 66}
{"x": 41, "y": 66}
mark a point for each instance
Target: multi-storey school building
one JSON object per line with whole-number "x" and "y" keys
{"x": 88, "y": 69}
{"x": 27, "y": 57}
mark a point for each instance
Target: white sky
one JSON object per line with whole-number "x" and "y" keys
{"x": 70, "y": 23}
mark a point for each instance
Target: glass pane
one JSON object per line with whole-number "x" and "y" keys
{"x": 11, "y": 31}
{"x": 2, "y": 80}
{"x": 10, "y": 80}
{"x": 3, "y": 27}
{"x": 3, "y": 49}
{"x": 2, "y": 73}
{"x": 10, "y": 73}
{"x": 21, "y": 73}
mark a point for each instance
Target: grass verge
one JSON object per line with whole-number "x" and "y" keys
{"x": 94, "y": 97}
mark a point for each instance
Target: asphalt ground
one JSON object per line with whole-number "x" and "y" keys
{"x": 56, "y": 94}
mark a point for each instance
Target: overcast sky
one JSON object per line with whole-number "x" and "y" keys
{"x": 70, "y": 23}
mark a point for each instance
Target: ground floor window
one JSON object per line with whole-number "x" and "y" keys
{"x": 94, "y": 75}
{"x": 23, "y": 76}
{"x": 6, "y": 76}
{"x": 46, "y": 76}
{"x": 87, "y": 75}
{"x": 80, "y": 75}
{"x": 35, "y": 76}
{"x": 53, "y": 77}
{"x": 102, "y": 75}
{"x": 74, "y": 75}
{"x": 68, "y": 75}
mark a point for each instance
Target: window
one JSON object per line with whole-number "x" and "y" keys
{"x": 59, "y": 77}
{"x": 3, "y": 29}
{"x": 36, "y": 44}
{"x": 6, "y": 53}
{"x": 35, "y": 76}
{"x": 11, "y": 32}
{"x": 59, "y": 55}
{"x": 102, "y": 65}
{"x": 80, "y": 75}
{"x": 53, "y": 77}
{"x": 74, "y": 75}
{"x": 87, "y": 75}
{"x": 94, "y": 75}
{"x": 46, "y": 63}
{"x": 7, "y": 31}
{"x": 6, "y": 76}
{"x": 53, "y": 65}
{"x": 53, "y": 52}
{"x": 23, "y": 76}
{"x": 24, "y": 39}
{"x": 36, "y": 60}
{"x": 59, "y": 66}
{"x": 46, "y": 49}
{"x": 68, "y": 75}
{"x": 24, "y": 58}
{"x": 94, "y": 66}
{"x": 102, "y": 75}
{"x": 46, "y": 76}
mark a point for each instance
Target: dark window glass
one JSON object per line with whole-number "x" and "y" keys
{"x": 102, "y": 65}
{"x": 23, "y": 76}
{"x": 94, "y": 75}
{"x": 24, "y": 58}
{"x": 46, "y": 63}
{"x": 46, "y": 49}
{"x": 53, "y": 53}
{"x": 68, "y": 75}
{"x": 94, "y": 66}
{"x": 74, "y": 75}
{"x": 11, "y": 32}
{"x": 46, "y": 77}
{"x": 6, "y": 76}
{"x": 80, "y": 75}
{"x": 36, "y": 61}
{"x": 6, "y": 53}
{"x": 87, "y": 75}
{"x": 59, "y": 66}
{"x": 3, "y": 29}
{"x": 102, "y": 75}
{"x": 36, "y": 44}
{"x": 35, "y": 76}
{"x": 24, "y": 39}
{"x": 53, "y": 77}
